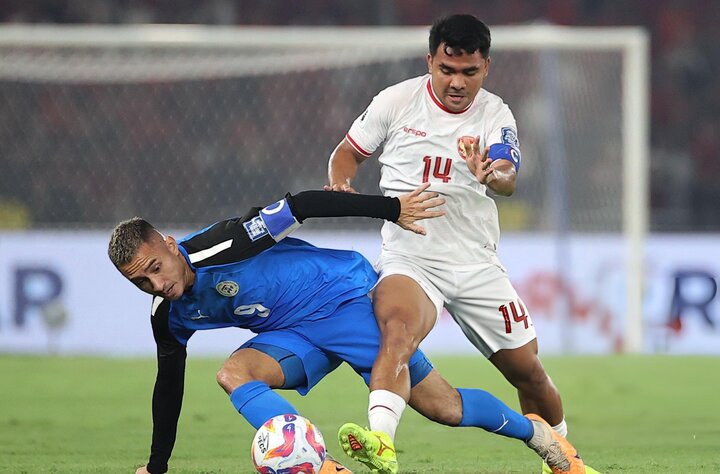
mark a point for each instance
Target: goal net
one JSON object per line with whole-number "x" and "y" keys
{"x": 186, "y": 125}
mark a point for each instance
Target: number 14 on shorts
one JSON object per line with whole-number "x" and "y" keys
{"x": 519, "y": 314}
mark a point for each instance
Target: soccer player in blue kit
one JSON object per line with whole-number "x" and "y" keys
{"x": 309, "y": 307}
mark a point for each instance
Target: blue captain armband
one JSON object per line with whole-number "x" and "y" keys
{"x": 509, "y": 149}
{"x": 279, "y": 219}
{"x": 500, "y": 151}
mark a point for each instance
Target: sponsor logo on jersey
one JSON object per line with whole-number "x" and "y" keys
{"x": 255, "y": 228}
{"x": 415, "y": 132}
{"x": 509, "y": 137}
{"x": 227, "y": 288}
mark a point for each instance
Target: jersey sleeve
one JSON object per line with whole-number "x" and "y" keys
{"x": 503, "y": 138}
{"x": 240, "y": 238}
{"x": 309, "y": 204}
{"x": 231, "y": 240}
{"x": 286, "y": 215}
{"x": 169, "y": 387}
{"x": 370, "y": 129}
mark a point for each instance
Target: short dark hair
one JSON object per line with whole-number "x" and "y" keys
{"x": 126, "y": 238}
{"x": 460, "y": 32}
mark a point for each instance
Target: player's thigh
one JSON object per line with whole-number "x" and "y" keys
{"x": 408, "y": 290}
{"x": 489, "y": 311}
{"x": 302, "y": 364}
{"x": 351, "y": 335}
{"x": 401, "y": 299}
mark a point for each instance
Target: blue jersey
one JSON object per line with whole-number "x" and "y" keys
{"x": 286, "y": 284}
{"x": 249, "y": 275}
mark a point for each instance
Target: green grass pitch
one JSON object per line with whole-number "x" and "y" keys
{"x": 92, "y": 415}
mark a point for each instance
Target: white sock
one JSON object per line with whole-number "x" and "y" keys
{"x": 384, "y": 411}
{"x": 561, "y": 428}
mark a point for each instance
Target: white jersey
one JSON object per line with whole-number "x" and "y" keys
{"x": 420, "y": 136}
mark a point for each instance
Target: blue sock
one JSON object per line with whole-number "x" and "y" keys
{"x": 483, "y": 410}
{"x": 258, "y": 403}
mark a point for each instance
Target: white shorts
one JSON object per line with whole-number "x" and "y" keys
{"x": 479, "y": 297}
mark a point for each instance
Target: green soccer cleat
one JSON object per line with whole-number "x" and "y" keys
{"x": 374, "y": 449}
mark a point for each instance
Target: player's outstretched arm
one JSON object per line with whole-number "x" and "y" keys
{"x": 404, "y": 210}
{"x": 142, "y": 470}
{"x": 418, "y": 205}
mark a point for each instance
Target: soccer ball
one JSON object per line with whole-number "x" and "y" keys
{"x": 288, "y": 444}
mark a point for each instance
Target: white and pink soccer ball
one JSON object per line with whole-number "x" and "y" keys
{"x": 288, "y": 444}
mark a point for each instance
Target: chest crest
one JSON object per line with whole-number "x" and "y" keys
{"x": 227, "y": 288}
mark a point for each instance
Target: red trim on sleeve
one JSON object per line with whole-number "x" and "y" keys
{"x": 356, "y": 146}
{"x": 440, "y": 104}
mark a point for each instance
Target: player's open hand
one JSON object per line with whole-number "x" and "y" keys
{"x": 142, "y": 470}
{"x": 416, "y": 205}
{"x": 341, "y": 188}
{"x": 478, "y": 162}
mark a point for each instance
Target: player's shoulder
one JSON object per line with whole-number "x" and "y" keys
{"x": 221, "y": 233}
{"x": 491, "y": 103}
{"x": 160, "y": 316}
{"x": 160, "y": 308}
{"x": 163, "y": 315}
{"x": 402, "y": 91}
{"x": 208, "y": 235}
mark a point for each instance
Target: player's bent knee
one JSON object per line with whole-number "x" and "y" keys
{"x": 231, "y": 376}
{"x": 224, "y": 380}
{"x": 398, "y": 337}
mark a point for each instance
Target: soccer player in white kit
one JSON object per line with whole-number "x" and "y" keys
{"x": 443, "y": 128}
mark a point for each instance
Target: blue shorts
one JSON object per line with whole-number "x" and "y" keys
{"x": 309, "y": 351}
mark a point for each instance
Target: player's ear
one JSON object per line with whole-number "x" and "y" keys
{"x": 172, "y": 244}
{"x": 429, "y": 62}
{"x": 487, "y": 66}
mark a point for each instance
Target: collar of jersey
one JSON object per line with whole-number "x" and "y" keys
{"x": 439, "y": 103}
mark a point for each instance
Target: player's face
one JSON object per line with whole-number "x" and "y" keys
{"x": 158, "y": 268}
{"x": 457, "y": 78}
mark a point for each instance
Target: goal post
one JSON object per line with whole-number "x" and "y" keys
{"x": 130, "y": 101}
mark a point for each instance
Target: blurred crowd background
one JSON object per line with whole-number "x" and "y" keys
{"x": 685, "y": 103}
